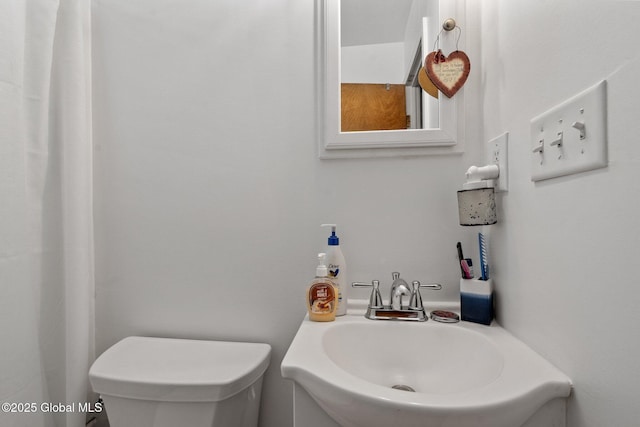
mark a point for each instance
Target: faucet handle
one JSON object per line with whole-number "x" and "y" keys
{"x": 415, "y": 303}
{"x": 375, "y": 300}
{"x": 432, "y": 286}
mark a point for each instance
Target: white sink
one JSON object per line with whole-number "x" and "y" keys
{"x": 463, "y": 374}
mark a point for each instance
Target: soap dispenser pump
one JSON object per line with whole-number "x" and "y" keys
{"x": 337, "y": 268}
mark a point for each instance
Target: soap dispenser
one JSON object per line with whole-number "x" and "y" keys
{"x": 337, "y": 268}
{"x": 322, "y": 295}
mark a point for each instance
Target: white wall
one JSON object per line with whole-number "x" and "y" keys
{"x": 565, "y": 249}
{"x": 373, "y": 63}
{"x": 209, "y": 192}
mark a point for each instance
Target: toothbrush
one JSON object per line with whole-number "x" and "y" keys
{"x": 460, "y": 259}
{"x": 484, "y": 264}
{"x": 466, "y": 271}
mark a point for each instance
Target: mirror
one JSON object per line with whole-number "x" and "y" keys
{"x": 381, "y": 52}
{"x": 382, "y": 43}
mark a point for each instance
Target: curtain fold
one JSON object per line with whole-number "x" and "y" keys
{"x": 46, "y": 214}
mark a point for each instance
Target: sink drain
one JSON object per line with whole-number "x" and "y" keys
{"x": 403, "y": 388}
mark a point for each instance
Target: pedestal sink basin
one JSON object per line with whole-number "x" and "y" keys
{"x": 438, "y": 360}
{"x": 376, "y": 373}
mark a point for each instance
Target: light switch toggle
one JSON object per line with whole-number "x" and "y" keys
{"x": 557, "y": 142}
{"x": 581, "y": 127}
{"x": 540, "y": 147}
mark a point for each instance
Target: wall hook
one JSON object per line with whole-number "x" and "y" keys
{"x": 449, "y": 24}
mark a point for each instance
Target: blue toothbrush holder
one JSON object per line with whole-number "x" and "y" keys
{"x": 476, "y": 300}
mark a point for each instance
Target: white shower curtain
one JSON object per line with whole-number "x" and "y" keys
{"x": 46, "y": 227}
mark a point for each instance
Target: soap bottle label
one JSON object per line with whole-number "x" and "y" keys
{"x": 334, "y": 270}
{"x": 322, "y": 298}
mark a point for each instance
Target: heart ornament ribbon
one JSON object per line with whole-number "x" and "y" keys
{"x": 448, "y": 73}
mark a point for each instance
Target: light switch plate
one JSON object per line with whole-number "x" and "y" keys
{"x": 571, "y": 137}
{"x": 497, "y": 155}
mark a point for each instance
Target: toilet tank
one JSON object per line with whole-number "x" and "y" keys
{"x": 158, "y": 382}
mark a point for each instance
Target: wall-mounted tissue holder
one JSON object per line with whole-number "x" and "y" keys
{"x": 476, "y": 200}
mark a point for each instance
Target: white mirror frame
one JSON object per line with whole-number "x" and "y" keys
{"x": 446, "y": 139}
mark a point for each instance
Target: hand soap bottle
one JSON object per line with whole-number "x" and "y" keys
{"x": 337, "y": 268}
{"x": 322, "y": 295}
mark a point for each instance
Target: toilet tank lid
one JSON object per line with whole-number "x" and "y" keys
{"x": 171, "y": 369}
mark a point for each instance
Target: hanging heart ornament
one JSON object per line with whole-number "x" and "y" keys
{"x": 449, "y": 73}
{"x": 426, "y": 84}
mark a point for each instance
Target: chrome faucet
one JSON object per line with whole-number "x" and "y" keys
{"x": 395, "y": 310}
{"x": 399, "y": 288}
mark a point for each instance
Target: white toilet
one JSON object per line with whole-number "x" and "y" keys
{"x": 165, "y": 382}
